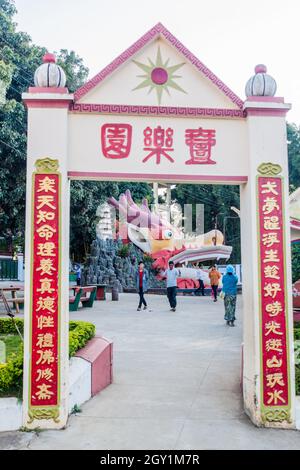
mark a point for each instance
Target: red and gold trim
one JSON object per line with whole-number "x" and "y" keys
{"x": 44, "y": 378}
{"x": 275, "y": 373}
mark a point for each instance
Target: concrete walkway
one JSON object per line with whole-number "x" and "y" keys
{"x": 176, "y": 384}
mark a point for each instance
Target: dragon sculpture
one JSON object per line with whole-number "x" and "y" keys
{"x": 164, "y": 242}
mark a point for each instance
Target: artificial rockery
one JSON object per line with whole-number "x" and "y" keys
{"x": 114, "y": 263}
{"x": 150, "y": 238}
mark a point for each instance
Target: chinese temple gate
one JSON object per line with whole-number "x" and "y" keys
{"x": 158, "y": 114}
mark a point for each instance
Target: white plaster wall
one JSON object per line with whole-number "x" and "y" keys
{"x": 230, "y": 151}
{"x": 10, "y": 414}
{"x": 267, "y": 143}
{"x": 80, "y": 382}
{"x": 118, "y": 87}
{"x": 297, "y": 406}
{"x": 80, "y": 391}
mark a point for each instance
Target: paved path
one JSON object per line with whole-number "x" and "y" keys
{"x": 176, "y": 384}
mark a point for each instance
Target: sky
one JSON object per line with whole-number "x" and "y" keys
{"x": 228, "y": 36}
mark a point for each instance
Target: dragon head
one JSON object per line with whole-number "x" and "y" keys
{"x": 154, "y": 234}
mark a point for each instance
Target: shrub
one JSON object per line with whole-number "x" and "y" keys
{"x": 297, "y": 356}
{"x": 11, "y": 373}
{"x": 80, "y": 332}
{"x": 148, "y": 258}
{"x": 124, "y": 251}
{"x": 7, "y": 326}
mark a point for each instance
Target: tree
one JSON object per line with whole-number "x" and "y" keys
{"x": 85, "y": 198}
{"x": 74, "y": 69}
{"x": 293, "y": 138}
{"x": 295, "y": 262}
{"x": 19, "y": 59}
{"x": 139, "y": 191}
{"x": 217, "y": 201}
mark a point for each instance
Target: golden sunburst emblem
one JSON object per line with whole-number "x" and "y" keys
{"x": 159, "y": 76}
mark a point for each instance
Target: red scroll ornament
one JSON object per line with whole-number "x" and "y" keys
{"x": 44, "y": 374}
{"x": 275, "y": 376}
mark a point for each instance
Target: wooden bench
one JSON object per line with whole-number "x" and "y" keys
{"x": 18, "y": 302}
{"x": 80, "y": 295}
{"x": 75, "y": 299}
{"x": 87, "y": 301}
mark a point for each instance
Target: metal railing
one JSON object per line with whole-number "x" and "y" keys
{"x": 8, "y": 270}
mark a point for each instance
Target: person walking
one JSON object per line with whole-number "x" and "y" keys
{"x": 142, "y": 278}
{"x": 200, "y": 278}
{"x": 172, "y": 274}
{"x": 78, "y": 275}
{"x": 214, "y": 277}
{"x": 229, "y": 288}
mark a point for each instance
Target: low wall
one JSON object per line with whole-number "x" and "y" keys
{"x": 90, "y": 371}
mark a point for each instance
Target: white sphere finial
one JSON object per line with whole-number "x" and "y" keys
{"x": 261, "y": 84}
{"x": 49, "y": 74}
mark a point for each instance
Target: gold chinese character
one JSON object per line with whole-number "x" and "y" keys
{"x": 44, "y": 392}
{"x": 46, "y": 266}
{"x": 46, "y": 304}
{"x": 45, "y": 357}
{"x": 46, "y": 374}
{"x": 46, "y": 231}
{"x": 274, "y": 309}
{"x": 269, "y": 239}
{"x": 274, "y": 362}
{"x": 43, "y": 216}
{"x": 274, "y": 379}
{"x": 274, "y": 345}
{"x": 271, "y": 223}
{"x": 270, "y": 204}
{"x": 47, "y": 185}
{"x": 46, "y": 249}
{"x": 272, "y": 289}
{"x": 271, "y": 255}
{"x": 275, "y": 397}
{"x": 273, "y": 327}
{"x": 45, "y": 286}
{"x": 45, "y": 322}
{"x": 272, "y": 272}
{"x": 45, "y": 340}
{"x": 46, "y": 201}
{"x": 269, "y": 187}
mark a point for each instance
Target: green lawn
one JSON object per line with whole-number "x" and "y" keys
{"x": 12, "y": 343}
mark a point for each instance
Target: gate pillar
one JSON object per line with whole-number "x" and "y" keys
{"x": 46, "y": 309}
{"x": 268, "y": 368}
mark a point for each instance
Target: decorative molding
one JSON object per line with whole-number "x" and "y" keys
{"x": 269, "y": 169}
{"x": 266, "y": 112}
{"x": 43, "y": 413}
{"x": 38, "y": 89}
{"x": 46, "y": 103}
{"x": 157, "y": 177}
{"x": 157, "y": 30}
{"x": 133, "y": 110}
{"x": 277, "y": 415}
{"x": 46, "y": 165}
{"x": 266, "y": 99}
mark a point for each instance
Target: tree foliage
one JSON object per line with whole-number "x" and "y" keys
{"x": 19, "y": 58}
{"x": 217, "y": 201}
{"x": 293, "y": 137}
{"x": 295, "y": 261}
